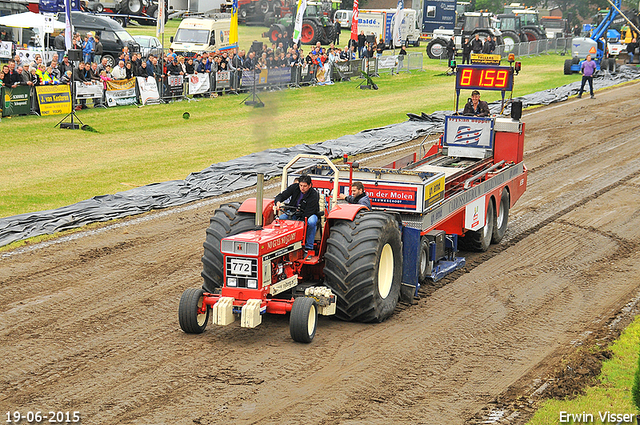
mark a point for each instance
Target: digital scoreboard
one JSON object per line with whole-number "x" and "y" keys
{"x": 484, "y": 77}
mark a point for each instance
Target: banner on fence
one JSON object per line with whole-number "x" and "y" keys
{"x": 148, "y": 90}
{"x": 121, "y": 92}
{"x": 5, "y": 49}
{"x": 279, "y": 76}
{"x": 485, "y": 58}
{"x": 198, "y": 83}
{"x": 223, "y": 80}
{"x": 176, "y": 85}
{"x": 89, "y": 90}
{"x": 54, "y": 100}
{"x": 248, "y": 78}
{"x": 16, "y": 101}
{"x": 387, "y": 62}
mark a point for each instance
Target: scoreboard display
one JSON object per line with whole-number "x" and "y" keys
{"x": 483, "y": 77}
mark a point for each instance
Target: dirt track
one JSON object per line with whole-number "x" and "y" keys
{"x": 91, "y": 325}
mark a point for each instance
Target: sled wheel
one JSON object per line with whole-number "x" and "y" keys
{"x": 480, "y": 240}
{"x": 191, "y": 320}
{"x": 425, "y": 266}
{"x": 303, "y": 320}
{"x": 502, "y": 218}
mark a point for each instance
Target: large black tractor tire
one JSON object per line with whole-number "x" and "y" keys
{"x": 226, "y": 221}
{"x": 510, "y": 40}
{"x": 567, "y": 67}
{"x": 363, "y": 266}
{"x": 330, "y": 31}
{"x": 303, "y": 320}
{"x": 190, "y": 320}
{"x": 437, "y": 49}
{"x": 480, "y": 240}
{"x": 274, "y": 31}
{"x": 132, "y": 7}
{"x": 263, "y": 7}
{"x": 311, "y": 33}
{"x": 502, "y": 217}
{"x": 269, "y": 18}
{"x": 531, "y": 35}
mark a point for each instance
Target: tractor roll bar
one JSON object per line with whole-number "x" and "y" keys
{"x": 334, "y": 196}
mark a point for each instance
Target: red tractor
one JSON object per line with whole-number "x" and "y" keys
{"x": 364, "y": 261}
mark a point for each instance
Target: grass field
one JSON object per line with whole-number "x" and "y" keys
{"x": 46, "y": 167}
{"x": 612, "y": 394}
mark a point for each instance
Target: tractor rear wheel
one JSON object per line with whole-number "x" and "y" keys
{"x": 226, "y": 221}
{"x": 502, "y": 218}
{"x": 331, "y": 33}
{"x": 567, "y": 67}
{"x": 480, "y": 240}
{"x": 363, "y": 266}
{"x": 310, "y": 33}
{"x": 191, "y": 321}
{"x": 531, "y": 35}
{"x": 303, "y": 320}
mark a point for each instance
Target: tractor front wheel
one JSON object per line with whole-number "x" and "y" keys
{"x": 192, "y": 321}
{"x": 363, "y": 266}
{"x": 303, "y": 320}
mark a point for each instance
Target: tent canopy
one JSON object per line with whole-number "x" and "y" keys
{"x": 28, "y": 20}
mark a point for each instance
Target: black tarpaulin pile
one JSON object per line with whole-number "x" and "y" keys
{"x": 242, "y": 172}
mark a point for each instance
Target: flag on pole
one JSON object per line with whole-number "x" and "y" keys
{"x": 68, "y": 29}
{"x": 233, "y": 33}
{"x": 160, "y": 20}
{"x": 397, "y": 24}
{"x": 297, "y": 29}
{"x": 354, "y": 21}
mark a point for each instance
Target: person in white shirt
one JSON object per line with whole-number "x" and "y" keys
{"x": 119, "y": 72}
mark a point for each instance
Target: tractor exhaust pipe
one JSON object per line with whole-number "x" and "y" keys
{"x": 259, "y": 198}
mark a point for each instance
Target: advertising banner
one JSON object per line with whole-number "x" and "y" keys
{"x": 148, "y": 90}
{"x": 176, "y": 85}
{"x": 248, "y": 78}
{"x": 469, "y": 137}
{"x": 198, "y": 83}
{"x": 5, "y": 49}
{"x": 279, "y": 76}
{"x": 54, "y": 100}
{"x": 89, "y": 90}
{"x": 121, "y": 92}
{"x": 16, "y": 101}
{"x": 223, "y": 80}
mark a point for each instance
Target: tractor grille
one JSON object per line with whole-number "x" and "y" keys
{"x": 242, "y": 269}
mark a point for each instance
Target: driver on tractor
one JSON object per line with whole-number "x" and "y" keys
{"x": 304, "y": 202}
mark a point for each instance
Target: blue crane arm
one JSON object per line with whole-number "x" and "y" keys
{"x": 602, "y": 28}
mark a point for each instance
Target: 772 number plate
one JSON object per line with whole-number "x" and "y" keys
{"x": 241, "y": 267}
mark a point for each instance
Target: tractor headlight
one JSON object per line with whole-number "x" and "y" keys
{"x": 232, "y": 281}
{"x": 252, "y": 283}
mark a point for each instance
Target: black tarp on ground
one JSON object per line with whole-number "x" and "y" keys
{"x": 241, "y": 172}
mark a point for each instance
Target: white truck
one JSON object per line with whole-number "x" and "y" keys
{"x": 380, "y": 23}
{"x": 196, "y": 35}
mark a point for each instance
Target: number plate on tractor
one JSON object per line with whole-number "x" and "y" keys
{"x": 241, "y": 267}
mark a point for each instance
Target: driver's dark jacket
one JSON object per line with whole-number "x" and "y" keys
{"x": 309, "y": 205}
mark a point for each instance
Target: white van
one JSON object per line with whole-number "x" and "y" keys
{"x": 344, "y": 17}
{"x": 197, "y": 35}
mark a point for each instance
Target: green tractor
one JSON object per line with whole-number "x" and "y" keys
{"x": 317, "y": 24}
